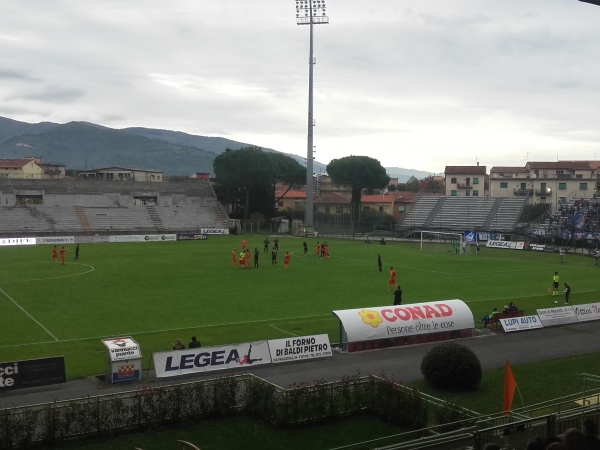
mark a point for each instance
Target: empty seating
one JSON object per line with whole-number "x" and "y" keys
{"x": 464, "y": 213}
{"x": 89, "y": 206}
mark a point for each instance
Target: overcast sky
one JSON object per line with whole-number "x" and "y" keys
{"x": 419, "y": 84}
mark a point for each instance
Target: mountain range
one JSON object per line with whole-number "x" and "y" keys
{"x": 84, "y": 146}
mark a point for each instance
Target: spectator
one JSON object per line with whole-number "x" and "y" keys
{"x": 590, "y": 429}
{"x": 194, "y": 343}
{"x": 491, "y": 446}
{"x": 512, "y": 307}
{"x": 534, "y": 445}
{"x": 178, "y": 345}
{"x": 574, "y": 440}
{"x": 556, "y": 446}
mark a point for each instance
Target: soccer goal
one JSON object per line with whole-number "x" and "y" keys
{"x": 438, "y": 241}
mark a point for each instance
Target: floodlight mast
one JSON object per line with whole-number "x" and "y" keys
{"x": 310, "y": 12}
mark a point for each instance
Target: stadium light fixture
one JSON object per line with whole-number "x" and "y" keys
{"x": 310, "y": 12}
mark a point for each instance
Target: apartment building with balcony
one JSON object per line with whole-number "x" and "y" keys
{"x": 554, "y": 183}
{"x": 466, "y": 181}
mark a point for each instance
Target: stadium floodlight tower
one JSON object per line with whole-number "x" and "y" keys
{"x": 310, "y": 12}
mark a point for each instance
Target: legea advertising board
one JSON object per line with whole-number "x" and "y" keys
{"x": 206, "y": 359}
{"x": 384, "y": 322}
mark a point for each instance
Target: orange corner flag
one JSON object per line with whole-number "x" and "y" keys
{"x": 510, "y": 384}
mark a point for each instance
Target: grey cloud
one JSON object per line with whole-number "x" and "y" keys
{"x": 6, "y": 74}
{"x": 52, "y": 94}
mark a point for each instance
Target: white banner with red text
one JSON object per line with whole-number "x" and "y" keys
{"x": 206, "y": 359}
{"x": 383, "y": 322}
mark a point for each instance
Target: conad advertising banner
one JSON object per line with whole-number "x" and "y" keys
{"x": 143, "y": 238}
{"x": 17, "y": 241}
{"x": 300, "y": 348}
{"x": 32, "y": 373}
{"x": 589, "y": 311}
{"x": 521, "y": 323}
{"x": 182, "y": 362}
{"x": 365, "y": 324}
{"x": 560, "y": 315}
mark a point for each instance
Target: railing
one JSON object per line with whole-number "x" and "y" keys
{"x": 304, "y": 404}
{"x": 523, "y": 192}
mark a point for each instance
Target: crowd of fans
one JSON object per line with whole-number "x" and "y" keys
{"x": 571, "y": 439}
{"x": 581, "y": 216}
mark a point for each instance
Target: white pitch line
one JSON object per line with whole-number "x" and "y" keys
{"x": 29, "y": 315}
{"x": 92, "y": 268}
{"x": 283, "y": 331}
{"x": 169, "y": 330}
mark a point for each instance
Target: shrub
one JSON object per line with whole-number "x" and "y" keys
{"x": 451, "y": 366}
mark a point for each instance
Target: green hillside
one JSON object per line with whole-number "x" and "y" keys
{"x": 80, "y": 145}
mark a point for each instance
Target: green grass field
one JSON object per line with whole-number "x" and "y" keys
{"x": 158, "y": 292}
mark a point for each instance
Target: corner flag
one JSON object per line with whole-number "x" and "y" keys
{"x": 510, "y": 384}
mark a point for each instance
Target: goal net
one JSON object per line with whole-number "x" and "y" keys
{"x": 438, "y": 241}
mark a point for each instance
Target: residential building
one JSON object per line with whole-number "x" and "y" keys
{"x": 466, "y": 181}
{"x": 24, "y": 168}
{"x": 292, "y": 199}
{"x": 394, "y": 203}
{"x": 123, "y": 174}
{"x": 332, "y": 203}
{"x": 553, "y": 183}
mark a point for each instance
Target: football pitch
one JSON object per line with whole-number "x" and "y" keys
{"x": 160, "y": 291}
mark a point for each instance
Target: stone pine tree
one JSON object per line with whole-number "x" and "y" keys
{"x": 246, "y": 179}
{"x": 359, "y": 172}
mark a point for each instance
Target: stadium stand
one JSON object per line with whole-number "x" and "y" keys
{"x": 71, "y": 206}
{"x": 464, "y": 213}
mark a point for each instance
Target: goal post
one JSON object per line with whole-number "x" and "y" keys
{"x": 442, "y": 241}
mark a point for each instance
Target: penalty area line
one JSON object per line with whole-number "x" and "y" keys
{"x": 29, "y": 315}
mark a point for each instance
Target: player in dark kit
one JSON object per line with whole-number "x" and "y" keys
{"x": 305, "y": 247}
{"x": 398, "y": 296}
{"x": 256, "y": 258}
{"x": 274, "y": 256}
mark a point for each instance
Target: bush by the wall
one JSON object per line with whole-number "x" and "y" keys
{"x": 451, "y": 366}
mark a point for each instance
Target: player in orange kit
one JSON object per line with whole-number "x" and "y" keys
{"x": 234, "y": 258}
{"x": 392, "y": 281}
{"x": 248, "y": 256}
{"x": 286, "y": 260}
{"x": 62, "y": 255}
{"x": 54, "y": 255}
